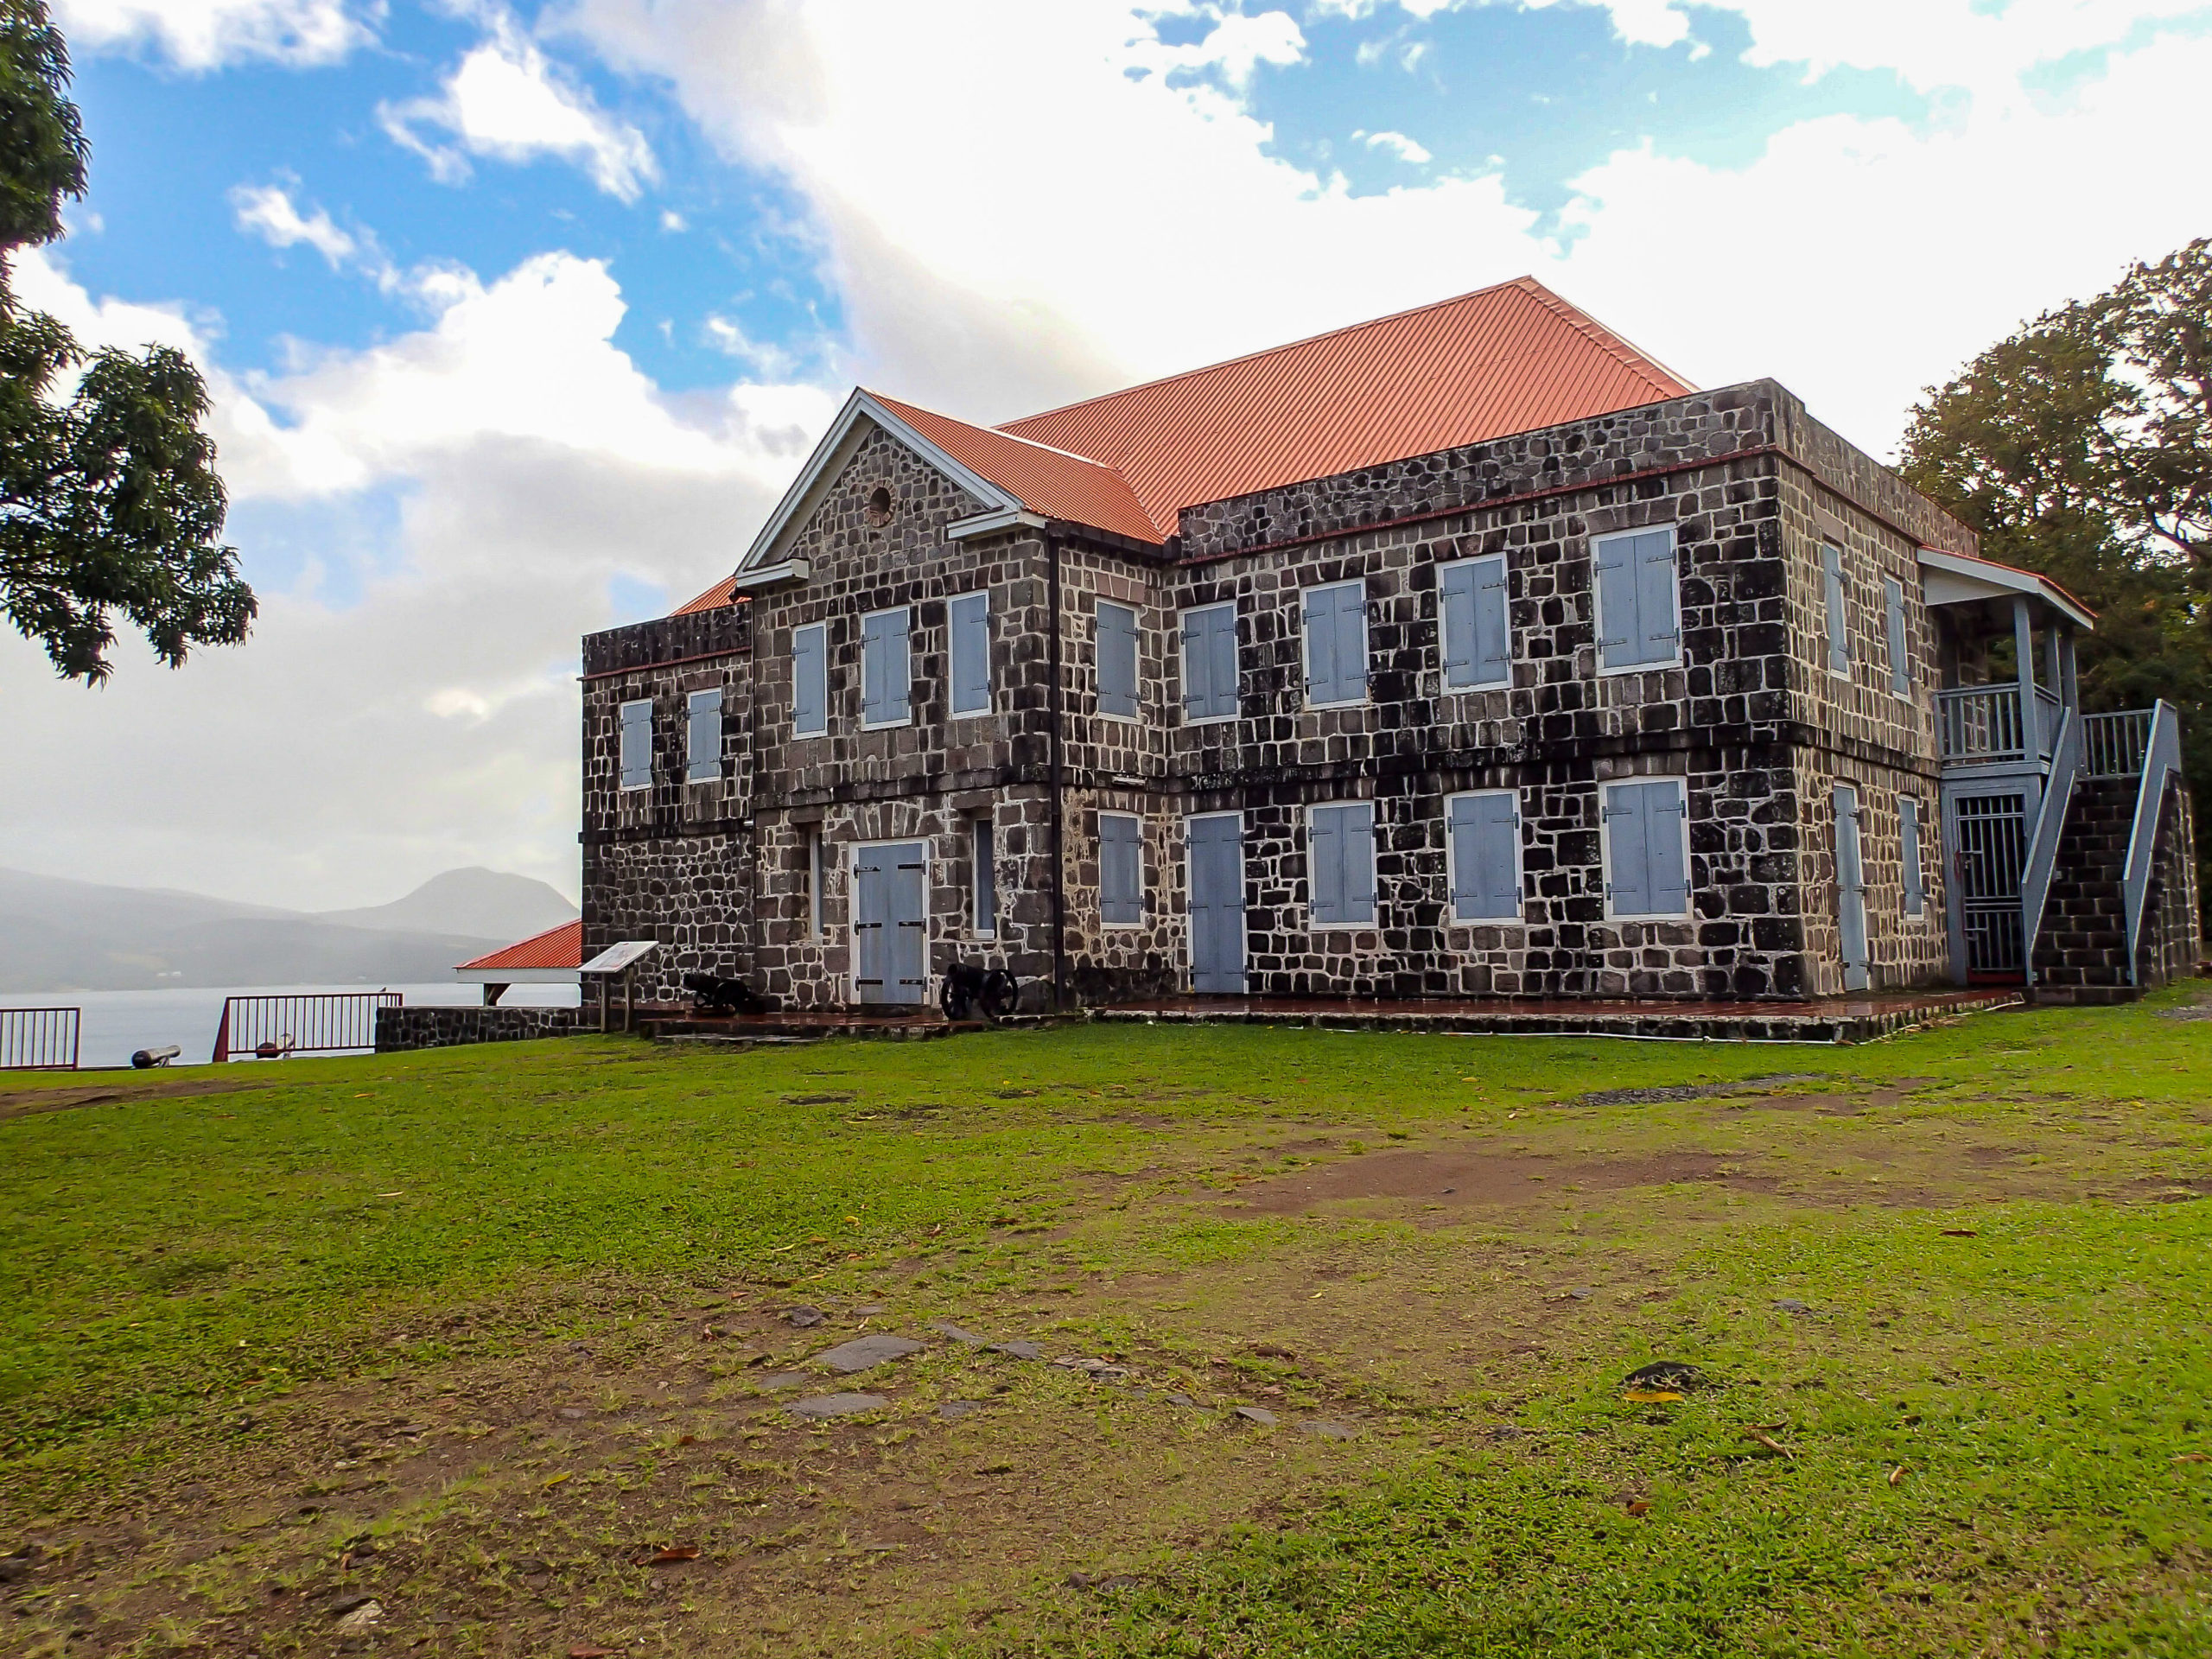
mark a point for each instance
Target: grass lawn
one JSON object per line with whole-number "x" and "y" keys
{"x": 438, "y": 1353}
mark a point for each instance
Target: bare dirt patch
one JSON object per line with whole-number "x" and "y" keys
{"x": 24, "y": 1103}
{"x": 1456, "y": 1177}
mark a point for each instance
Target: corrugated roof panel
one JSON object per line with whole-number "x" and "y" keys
{"x": 556, "y": 947}
{"x": 1044, "y": 480}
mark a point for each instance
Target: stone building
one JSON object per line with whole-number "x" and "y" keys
{"x": 1469, "y": 652}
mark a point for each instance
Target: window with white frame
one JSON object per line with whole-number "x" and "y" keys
{"x": 1916, "y": 879}
{"x": 886, "y": 669}
{"x": 636, "y": 757}
{"x": 702, "y": 736}
{"x": 1210, "y": 663}
{"x": 1117, "y": 660}
{"x": 983, "y": 849}
{"x": 1120, "y": 869}
{"x": 810, "y": 680}
{"x": 967, "y": 621}
{"x": 1483, "y": 852}
{"x": 1646, "y": 849}
{"x": 1340, "y": 858}
{"x": 1471, "y": 619}
{"x": 1336, "y": 644}
{"x": 1839, "y": 617}
{"x": 1639, "y": 607}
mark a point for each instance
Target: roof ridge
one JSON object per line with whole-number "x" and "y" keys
{"x": 1272, "y": 351}
{"x": 1619, "y": 346}
{"x": 1001, "y": 432}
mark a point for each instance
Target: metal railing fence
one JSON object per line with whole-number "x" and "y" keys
{"x": 38, "y": 1039}
{"x": 310, "y": 1022}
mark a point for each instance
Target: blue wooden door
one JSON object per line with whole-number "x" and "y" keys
{"x": 1217, "y": 852}
{"x": 890, "y": 924}
{"x": 1850, "y": 888}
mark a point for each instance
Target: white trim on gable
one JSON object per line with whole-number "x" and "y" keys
{"x": 830, "y": 456}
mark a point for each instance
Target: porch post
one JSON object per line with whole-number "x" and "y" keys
{"x": 2024, "y": 652}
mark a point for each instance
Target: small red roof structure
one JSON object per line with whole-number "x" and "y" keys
{"x": 722, "y": 593}
{"x": 556, "y": 947}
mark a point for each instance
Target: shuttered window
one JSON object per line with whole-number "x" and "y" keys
{"x": 1210, "y": 663}
{"x": 1647, "y": 863}
{"x": 1336, "y": 644}
{"x": 1893, "y": 614}
{"x": 809, "y": 680}
{"x": 1916, "y": 884}
{"x": 1838, "y": 619}
{"x": 1120, "y": 869}
{"x": 1340, "y": 849}
{"x": 886, "y": 669}
{"x": 968, "y": 619}
{"x": 1471, "y": 609}
{"x": 985, "y": 853}
{"x": 1117, "y": 661}
{"x": 1486, "y": 856}
{"x": 1637, "y": 622}
{"x": 703, "y": 737}
{"x": 636, "y": 744}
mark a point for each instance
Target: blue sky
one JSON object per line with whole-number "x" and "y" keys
{"x": 518, "y": 318}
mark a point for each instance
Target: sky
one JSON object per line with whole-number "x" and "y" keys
{"x": 518, "y": 320}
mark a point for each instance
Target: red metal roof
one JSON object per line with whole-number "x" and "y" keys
{"x": 722, "y": 593}
{"x": 556, "y": 947}
{"x": 1504, "y": 359}
{"x": 1045, "y": 479}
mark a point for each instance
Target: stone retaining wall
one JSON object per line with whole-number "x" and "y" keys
{"x": 400, "y": 1031}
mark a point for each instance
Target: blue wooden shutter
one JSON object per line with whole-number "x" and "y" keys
{"x": 1618, "y": 630}
{"x": 1485, "y": 862}
{"x": 1493, "y": 641}
{"x": 900, "y": 667}
{"x": 1663, "y": 811}
{"x": 1629, "y": 891}
{"x": 1121, "y": 868}
{"x": 1455, "y": 604}
{"x": 1658, "y": 639}
{"x": 1900, "y": 669}
{"x": 1210, "y": 663}
{"x": 1915, "y": 892}
{"x": 1325, "y": 857}
{"x": 887, "y": 675}
{"x": 1359, "y": 863}
{"x": 1351, "y": 642}
{"x": 704, "y": 736}
{"x": 1839, "y": 624}
{"x": 810, "y": 681}
{"x": 636, "y": 744}
{"x": 968, "y": 618}
{"x": 987, "y": 880}
{"x": 1320, "y": 645}
{"x": 1117, "y": 660}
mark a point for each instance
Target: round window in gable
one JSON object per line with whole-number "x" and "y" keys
{"x": 879, "y": 507}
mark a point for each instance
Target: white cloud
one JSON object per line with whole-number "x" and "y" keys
{"x": 268, "y": 211}
{"x": 506, "y": 100}
{"x": 208, "y": 33}
{"x": 1405, "y": 148}
{"x": 429, "y": 719}
{"x": 1236, "y": 46}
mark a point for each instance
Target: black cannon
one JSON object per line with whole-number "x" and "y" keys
{"x": 713, "y": 994}
{"x": 969, "y": 990}
{"x": 146, "y": 1058}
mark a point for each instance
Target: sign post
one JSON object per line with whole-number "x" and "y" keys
{"x": 622, "y": 959}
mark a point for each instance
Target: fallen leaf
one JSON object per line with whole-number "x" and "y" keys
{"x": 554, "y": 1480}
{"x": 1961, "y": 1232}
{"x": 585, "y": 1650}
{"x": 687, "y": 1439}
{"x": 1896, "y": 1474}
{"x": 1642, "y": 1506}
{"x": 1761, "y": 1436}
{"x": 1651, "y": 1394}
{"x": 392, "y": 1195}
{"x": 2191, "y": 1457}
{"x": 676, "y": 1553}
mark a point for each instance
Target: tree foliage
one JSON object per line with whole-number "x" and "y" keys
{"x": 2081, "y": 447}
{"x": 109, "y": 503}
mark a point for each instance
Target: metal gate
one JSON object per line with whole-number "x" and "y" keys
{"x": 1990, "y": 835}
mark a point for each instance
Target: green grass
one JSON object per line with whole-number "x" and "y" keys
{"x": 166, "y": 1263}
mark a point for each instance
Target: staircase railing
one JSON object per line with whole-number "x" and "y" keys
{"x": 2050, "y": 825}
{"x": 2113, "y": 745}
{"x": 2161, "y": 760}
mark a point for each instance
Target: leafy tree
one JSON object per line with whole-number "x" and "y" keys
{"x": 109, "y": 499}
{"x": 2081, "y": 447}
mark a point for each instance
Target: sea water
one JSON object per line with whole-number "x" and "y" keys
{"x": 114, "y": 1025}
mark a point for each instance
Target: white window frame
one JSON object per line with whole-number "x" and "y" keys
{"x": 984, "y": 925}
{"x": 867, "y": 725}
{"x": 1183, "y": 662}
{"x": 1099, "y": 604}
{"x": 691, "y": 714}
{"x": 1445, "y": 688}
{"x": 852, "y": 910}
{"x": 951, "y": 683}
{"x": 1520, "y": 918}
{"x": 1605, "y": 854}
{"x": 621, "y": 729}
{"x": 1143, "y": 892}
{"x": 1842, "y": 596}
{"x": 822, "y": 657}
{"x": 1366, "y": 654}
{"x": 1597, "y": 600}
{"x": 1375, "y": 825}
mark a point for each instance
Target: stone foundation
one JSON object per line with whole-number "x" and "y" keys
{"x": 400, "y": 1031}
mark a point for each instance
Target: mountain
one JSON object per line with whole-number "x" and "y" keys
{"x": 63, "y": 935}
{"x": 487, "y": 904}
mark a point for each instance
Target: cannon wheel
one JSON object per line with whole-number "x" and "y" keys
{"x": 952, "y": 999}
{"x": 999, "y": 994}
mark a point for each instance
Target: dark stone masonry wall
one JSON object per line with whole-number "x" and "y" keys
{"x": 2172, "y": 943}
{"x": 404, "y": 1029}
